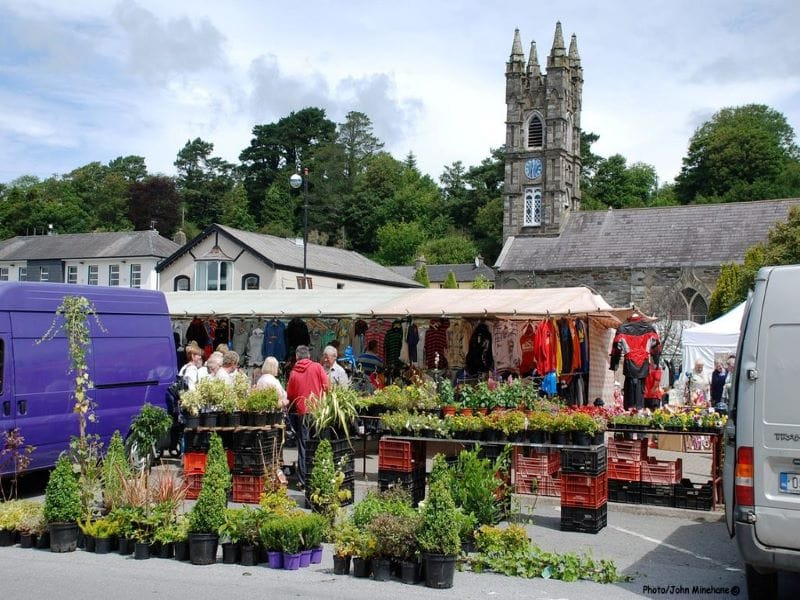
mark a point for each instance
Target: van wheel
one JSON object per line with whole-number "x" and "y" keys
{"x": 761, "y": 585}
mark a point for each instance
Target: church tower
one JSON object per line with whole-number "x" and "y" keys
{"x": 543, "y": 141}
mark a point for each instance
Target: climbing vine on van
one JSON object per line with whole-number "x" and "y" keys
{"x": 75, "y": 312}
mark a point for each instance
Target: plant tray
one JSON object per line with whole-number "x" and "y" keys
{"x": 629, "y": 492}
{"x": 247, "y": 488}
{"x": 256, "y": 440}
{"x": 194, "y": 462}
{"x": 400, "y": 455}
{"x": 627, "y": 449}
{"x": 586, "y": 491}
{"x": 545, "y": 485}
{"x": 194, "y": 483}
{"x": 654, "y": 471}
{"x": 251, "y": 463}
{"x": 658, "y": 494}
{"x": 585, "y": 520}
{"x": 586, "y": 462}
{"x": 537, "y": 464}
{"x": 626, "y": 470}
{"x": 196, "y": 441}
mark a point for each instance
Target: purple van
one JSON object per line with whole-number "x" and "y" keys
{"x": 132, "y": 362}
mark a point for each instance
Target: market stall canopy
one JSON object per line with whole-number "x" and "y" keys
{"x": 392, "y": 302}
{"x": 720, "y": 336}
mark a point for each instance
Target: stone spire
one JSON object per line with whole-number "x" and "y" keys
{"x": 558, "y": 42}
{"x": 573, "y": 50}
{"x": 533, "y": 62}
{"x": 517, "y": 55}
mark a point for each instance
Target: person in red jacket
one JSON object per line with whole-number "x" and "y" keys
{"x": 307, "y": 381}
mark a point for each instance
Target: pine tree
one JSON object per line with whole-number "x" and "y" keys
{"x": 421, "y": 276}
{"x": 450, "y": 282}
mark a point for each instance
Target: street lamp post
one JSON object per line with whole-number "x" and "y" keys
{"x": 295, "y": 181}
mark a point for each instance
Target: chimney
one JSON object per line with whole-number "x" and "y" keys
{"x": 179, "y": 238}
{"x": 420, "y": 261}
{"x": 478, "y": 261}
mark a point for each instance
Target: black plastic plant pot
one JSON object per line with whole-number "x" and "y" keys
{"x": 248, "y": 556}
{"x": 102, "y": 545}
{"x": 382, "y": 569}
{"x": 89, "y": 543}
{"x": 125, "y": 546}
{"x": 341, "y": 565}
{"x": 43, "y": 541}
{"x": 26, "y": 540}
{"x": 230, "y": 553}
{"x": 182, "y": 550}
{"x": 362, "y": 567}
{"x": 141, "y": 551}
{"x": 63, "y": 537}
{"x": 439, "y": 570}
{"x": 203, "y": 548}
{"x": 7, "y": 537}
{"x": 166, "y": 550}
{"x": 410, "y": 572}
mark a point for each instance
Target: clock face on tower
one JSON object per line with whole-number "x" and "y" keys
{"x": 533, "y": 168}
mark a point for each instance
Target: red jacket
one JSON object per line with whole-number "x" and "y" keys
{"x": 307, "y": 378}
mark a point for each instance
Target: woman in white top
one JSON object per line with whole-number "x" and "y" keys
{"x": 268, "y": 379}
{"x": 190, "y": 371}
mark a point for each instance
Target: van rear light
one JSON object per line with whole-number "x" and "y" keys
{"x": 745, "y": 495}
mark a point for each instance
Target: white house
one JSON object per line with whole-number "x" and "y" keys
{"x": 122, "y": 258}
{"x": 224, "y": 258}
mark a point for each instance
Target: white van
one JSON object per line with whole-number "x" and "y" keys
{"x": 762, "y": 438}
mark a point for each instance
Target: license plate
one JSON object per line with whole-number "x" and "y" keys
{"x": 790, "y": 483}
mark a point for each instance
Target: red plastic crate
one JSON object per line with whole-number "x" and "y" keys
{"x": 247, "y": 488}
{"x": 626, "y": 470}
{"x": 586, "y": 491}
{"x": 655, "y": 471}
{"x": 194, "y": 463}
{"x": 627, "y": 449}
{"x": 230, "y": 456}
{"x": 194, "y": 483}
{"x": 400, "y": 455}
{"x": 546, "y": 485}
{"x": 538, "y": 464}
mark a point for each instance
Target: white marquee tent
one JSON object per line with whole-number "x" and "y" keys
{"x": 711, "y": 339}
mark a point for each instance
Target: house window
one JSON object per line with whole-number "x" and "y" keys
{"x": 532, "y": 207}
{"x": 44, "y": 273}
{"x": 181, "y": 284}
{"x": 250, "y": 282}
{"x": 309, "y": 284}
{"x": 91, "y": 275}
{"x": 136, "y": 276}
{"x": 113, "y": 275}
{"x": 72, "y": 274}
{"x": 535, "y": 132}
{"x": 3, "y": 273}
{"x": 23, "y": 273}
{"x": 213, "y": 275}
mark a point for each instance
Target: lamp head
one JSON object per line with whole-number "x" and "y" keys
{"x": 295, "y": 181}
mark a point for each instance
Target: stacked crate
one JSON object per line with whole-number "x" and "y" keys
{"x": 343, "y": 457}
{"x": 194, "y": 468}
{"x": 402, "y": 463}
{"x": 659, "y": 479}
{"x": 636, "y": 478}
{"x": 536, "y": 472}
{"x": 253, "y": 454}
{"x": 584, "y": 489}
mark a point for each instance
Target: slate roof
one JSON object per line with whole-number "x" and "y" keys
{"x": 284, "y": 253}
{"x": 692, "y": 235}
{"x": 71, "y": 246}
{"x": 464, "y": 272}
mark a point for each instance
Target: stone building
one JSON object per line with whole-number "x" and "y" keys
{"x": 664, "y": 260}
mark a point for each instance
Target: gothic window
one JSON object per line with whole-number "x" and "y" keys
{"x": 532, "y": 207}
{"x": 696, "y": 307}
{"x": 535, "y": 132}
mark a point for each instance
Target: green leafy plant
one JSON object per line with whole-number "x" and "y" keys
{"x": 208, "y": 513}
{"x": 395, "y": 536}
{"x": 62, "y": 500}
{"x": 345, "y": 537}
{"x": 475, "y": 486}
{"x": 231, "y": 528}
{"x": 584, "y": 423}
{"x": 261, "y": 400}
{"x": 335, "y": 410}
{"x": 148, "y": 427}
{"x": 104, "y": 527}
{"x": 15, "y": 456}
{"x": 115, "y": 468}
{"x": 539, "y": 420}
{"x": 32, "y": 520}
{"x": 290, "y": 534}
{"x": 15, "y": 514}
{"x": 394, "y": 501}
{"x": 439, "y": 529}
{"x": 325, "y": 483}
{"x": 312, "y": 530}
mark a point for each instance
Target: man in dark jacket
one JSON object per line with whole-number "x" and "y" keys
{"x": 307, "y": 381}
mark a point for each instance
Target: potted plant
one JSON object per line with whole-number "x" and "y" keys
{"x": 167, "y": 535}
{"x": 325, "y": 483}
{"x": 512, "y": 424}
{"x": 249, "y": 536}
{"x": 103, "y": 531}
{"x": 439, "y": 536}
{"x": 540, "y": 424}
{"x": 395, "y": 422}
{"x": 259, "y": 404}
{"x": 62, "y": 507}
{"x": 181, "y": 538}
{"x": 208, "y": 513}
{"x": 584, "y": 428}
{"x": 115, "y": 468}
{"x": 396, "y": 539}
{"x": 313, "y": 530}
{"x": 31, "y": 525}
{"x": 344, "y": 545}
{"x": 229, "y": 533}
{"x": 447, "y": 398}
{"x": 269, "y": 533}
{"x": 147, "y": 430}
{"x": 363, "y": 551}
{"x": 11, "y": 514}
{"x": 335, "y": 412}
{"x": 290, "y": 536}
{"x": 561, "y": 426}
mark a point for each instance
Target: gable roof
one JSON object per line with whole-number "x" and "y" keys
{"x": 71, "y": 246}
{"x": 464, "y": 272}
{"x": 691, "y": 235}
{"x": 283, "y": 253}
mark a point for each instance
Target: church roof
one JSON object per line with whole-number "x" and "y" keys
{"x": 691, "y": 235}
{"x": 464, "y": 272}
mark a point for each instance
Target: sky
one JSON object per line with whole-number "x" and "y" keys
{"x": 91, "y": 80}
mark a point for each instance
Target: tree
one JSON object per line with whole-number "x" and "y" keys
{"x": 741, "y": 154}
{"x": 203, "y": 181}
{"x": 421, "y": 276}
{"x": 489, "y": 229}
{"x": 155, "y": 203}
{"x": 618, "y": 185}
{"x": 359, "y": 143}
{"x": 589, "y": 160}
{"x": 277, "y": 213}
{"x": 398, "y": 242}
{"x": 481, "y": 283}
{"x": 235, "y": 213}
{"x": 450, "y": 249}
{"x": 450, "y": 282}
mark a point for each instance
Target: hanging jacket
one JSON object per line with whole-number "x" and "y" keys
{"x": 297, "y": 334}
{"x": 197, "y": 332}
{"x": 479, "y": 357}
{"x": 636, "y": 343}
